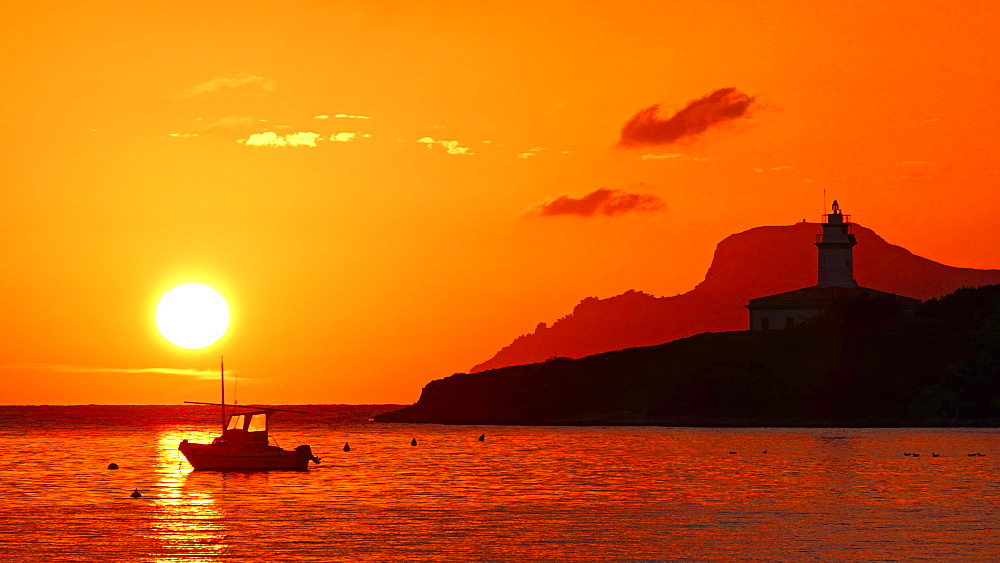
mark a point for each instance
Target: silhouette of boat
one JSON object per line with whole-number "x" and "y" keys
{"x": 245, "y": 444}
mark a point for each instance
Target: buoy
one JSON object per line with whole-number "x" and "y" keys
{"x": 482, "y": 437}
{"x": 135, "y": 493}
{"x": 112, "y": 466}
{"x": 413, "y": 442}
{"x": 347, "y": 447}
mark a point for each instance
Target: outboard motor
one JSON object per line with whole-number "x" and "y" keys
{"x": 305, "y": 451}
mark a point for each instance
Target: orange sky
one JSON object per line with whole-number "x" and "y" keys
{"x": 359, "y": 269}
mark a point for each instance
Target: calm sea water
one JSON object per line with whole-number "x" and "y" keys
{"x": 545, "y": 493}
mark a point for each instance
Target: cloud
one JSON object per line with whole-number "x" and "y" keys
{"x": 345, "y": 137}
{"x": 272, "y": 139}
{"x": 62, "y": 368}
{"x": 533, "y": 151}
{"x": 603, "y": 200}
{"x": 321, "y": 117}
{"x": 647, "y": 128}
{"x": 671, "y": 156}
{"x": 182, "y": 135}
{"x": 301, "y": 139}
{"x": 346, "y": 116}
{"x": 226, "y": 83}
{"x": 453, "y": 147}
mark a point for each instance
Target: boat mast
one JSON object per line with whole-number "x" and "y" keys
{"x": 222, "y": 378}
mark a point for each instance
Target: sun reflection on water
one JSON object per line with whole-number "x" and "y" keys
{"x": 187, "y": 522}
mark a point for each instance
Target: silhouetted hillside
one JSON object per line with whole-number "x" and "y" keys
{"x": 863, "y": 364}
{"x": 754, "y": 263}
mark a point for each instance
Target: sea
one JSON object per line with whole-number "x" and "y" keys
{"x": 540, "y": 493}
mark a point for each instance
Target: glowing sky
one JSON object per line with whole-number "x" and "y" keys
{"x": 387, "y": 193}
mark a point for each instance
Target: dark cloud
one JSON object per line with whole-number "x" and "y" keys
{"x": 647, "y": 128}
{"x": 605, "y": 201}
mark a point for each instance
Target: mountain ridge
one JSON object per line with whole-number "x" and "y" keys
{"x": 781, "y": 258}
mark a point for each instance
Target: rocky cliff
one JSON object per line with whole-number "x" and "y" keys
{"x": 754, "y": 263}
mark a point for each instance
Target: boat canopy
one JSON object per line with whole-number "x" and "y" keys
{"x": 250, "y": 422}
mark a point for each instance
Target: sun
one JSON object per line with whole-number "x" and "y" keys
{"x": 192, "y": 316}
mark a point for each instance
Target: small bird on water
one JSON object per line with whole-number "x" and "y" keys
{"x": 413, "y": 442}
{"x": 135, "y": 493}
{"x": 347, "y": 447}
{"x": 482, "y": 437}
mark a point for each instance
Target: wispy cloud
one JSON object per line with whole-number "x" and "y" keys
{"x": 535, "y": 151}
{"x": 342, "y": 116}
{"x": 453, "y": 147}
{"x": 672, "y": 156}
{"x": 531, "y": 152}
{"x": 226, "y": 83}
{"x": 773, "y": 169}
{"x": 605, "y": 201}
{"x": 63, "y": 368}
{"x": 345, "y": 137}
{"x": 647, "y": 128}
{"x": 272, "y": 139}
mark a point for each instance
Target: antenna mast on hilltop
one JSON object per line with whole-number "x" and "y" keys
{"x": 824, "y": 201}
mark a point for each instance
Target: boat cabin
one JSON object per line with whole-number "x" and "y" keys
{"x": 245, "y": 427}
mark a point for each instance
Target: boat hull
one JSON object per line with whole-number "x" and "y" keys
{"x": 210, "y": 457}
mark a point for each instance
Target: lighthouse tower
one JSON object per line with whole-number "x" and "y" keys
{"x": 836, "y": 261}
{"x": 836, "y": 282}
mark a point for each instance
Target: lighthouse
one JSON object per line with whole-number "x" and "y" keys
{"x": 836, "y": 244}
{"x": 835, "y": 284}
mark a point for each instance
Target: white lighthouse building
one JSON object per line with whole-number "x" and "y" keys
{"x": 836, "y": 244}
{"x": 835, "y": 281}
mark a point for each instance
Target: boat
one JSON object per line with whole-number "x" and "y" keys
{"x": 244, "y": 444}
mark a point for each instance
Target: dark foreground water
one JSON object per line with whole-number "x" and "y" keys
{"x": 544, "y": 493}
